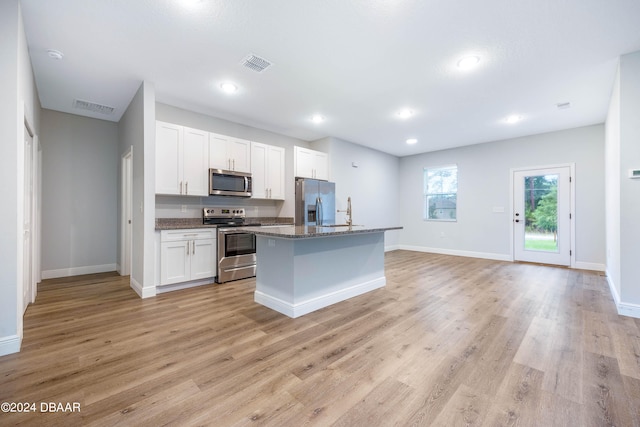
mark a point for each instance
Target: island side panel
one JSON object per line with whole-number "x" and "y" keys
{"x": 296, "y": 276}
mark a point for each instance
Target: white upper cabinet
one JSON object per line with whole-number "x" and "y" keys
{"x": 311, "y": 164}
{"x": 267, "y": 171}
{"x": 168, "y": 165}
{"x": 181, "y": 160}
{"x": 229, "y": 153}
{"x": 196, "y": 162}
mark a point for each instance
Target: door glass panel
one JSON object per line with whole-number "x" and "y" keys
{"x": 239, "y": 244}
{"x": 541, "y": 213}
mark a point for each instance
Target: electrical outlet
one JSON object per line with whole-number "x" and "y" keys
{"x": 271, "y": 243}
{"x": 183, "y": 209}
{"x": 441, "y": 234}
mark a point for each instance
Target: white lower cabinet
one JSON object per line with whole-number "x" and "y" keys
{"x": 187, "y": 254}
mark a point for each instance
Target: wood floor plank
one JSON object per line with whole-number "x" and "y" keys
{"x": 606, "y": 400}
{"x": 449, "y": 340}
{"x": 519, "y": 400}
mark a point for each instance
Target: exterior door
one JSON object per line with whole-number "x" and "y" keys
{"x": 542, "y": 215}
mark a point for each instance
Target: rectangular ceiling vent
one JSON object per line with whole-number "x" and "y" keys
{"x": 255, "y": 63}
{"x": 93, "y": 107}
{"x": 563, "y": 105}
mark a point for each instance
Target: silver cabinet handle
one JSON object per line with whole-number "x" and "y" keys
{"x": 234, "y": 164}
{"x": 186, "y": 188}
{"x": 180, "y": 187}
{"x": 194, "y": 247}
{"x": 188, "y": 246}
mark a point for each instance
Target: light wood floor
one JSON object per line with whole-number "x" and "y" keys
{"x": 449, "y": 341}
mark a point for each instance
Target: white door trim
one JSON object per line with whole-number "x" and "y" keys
{"x": 126, "y": 212}
{"x": 572, "y": 187}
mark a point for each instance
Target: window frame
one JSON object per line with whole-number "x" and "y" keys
{"x": 426, "y": 194}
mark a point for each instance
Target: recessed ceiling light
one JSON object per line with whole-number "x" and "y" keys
{"x": 514, "y": 118}
{"x": 228, "y": 87}
{"x": 317, "y": 118}
{"x": 412, "y": 141}
{"x": 405, "y": 113}
{"x": 468, "y": 62}
{"x": 55, "y": 54}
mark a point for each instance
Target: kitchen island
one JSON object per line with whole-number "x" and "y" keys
{"x": 301, "y": 269}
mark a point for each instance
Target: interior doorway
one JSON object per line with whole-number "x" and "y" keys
{"x": 28, "y": 258}
{"x": 126, "y": 214}
{"x": 543, "y": 229}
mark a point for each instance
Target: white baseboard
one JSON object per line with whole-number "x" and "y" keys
{"x": 624, "y": 308}
{"x": 178, "y": 286}
{"x": 77, "y": 271}
{"x": 148, "y": 292}
{"x": 313, "y": 304}
{"x": 391, "y": 248}
{"x": 10, "y": 344}
{"x": 594, "y": 266}
{"x": 455, "y": 252}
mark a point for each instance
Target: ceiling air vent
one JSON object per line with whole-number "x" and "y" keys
{"x": 93, "y": 107}
{"x": 255, "y": 63}
{"x": 563, "y": 105}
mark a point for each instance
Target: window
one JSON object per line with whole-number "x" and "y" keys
{"x": 441, "y": 193}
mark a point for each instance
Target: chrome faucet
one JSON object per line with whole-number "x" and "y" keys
{"x": 349, "y": 212}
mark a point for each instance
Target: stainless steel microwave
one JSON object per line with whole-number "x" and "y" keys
{"x": 229, "y": 183}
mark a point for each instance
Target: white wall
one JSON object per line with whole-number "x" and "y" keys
{"x": 373, "y": 185}
{"x": 170, "y": 206}
{"x": 623, "y": 153}
{"x": 612, "y": 188}
{"x": 137, "y": 129}
{"x": 18, "y": 100}
{"x": 484, "y": 183}
{"x": 79, "y": 194}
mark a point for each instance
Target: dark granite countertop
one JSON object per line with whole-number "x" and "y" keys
{"x": 302, "y": 231}
{"x": 187, "y": 223}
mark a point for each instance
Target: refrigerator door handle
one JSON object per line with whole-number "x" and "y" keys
{"x": 321, "y": 212}
{"x": 318, "y": 211}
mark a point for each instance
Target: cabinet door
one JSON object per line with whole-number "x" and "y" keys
{"x": 175, "y": 262}
{"x": 218, "y": 157}
{"x": 196, "y": 162}
{"x": 321, "y": 165}
{"x": 203, "y": 258}
{"x": 275, "y": 172}
{"x": 239, "y": 152}
{"x": 168, "y": 158}
{"x": 303, "y": 162}
{"x": 259, "y": 170}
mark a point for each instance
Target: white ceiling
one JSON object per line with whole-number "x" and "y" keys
{"x": 356, "y": 62}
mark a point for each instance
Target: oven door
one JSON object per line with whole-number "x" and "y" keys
{"x": 236, "y": 254}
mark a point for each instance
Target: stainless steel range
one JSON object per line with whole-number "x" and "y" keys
{"x": 236, "y": 249}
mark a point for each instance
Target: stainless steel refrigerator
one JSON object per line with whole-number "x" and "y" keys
{"x": 315, "y": 202}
